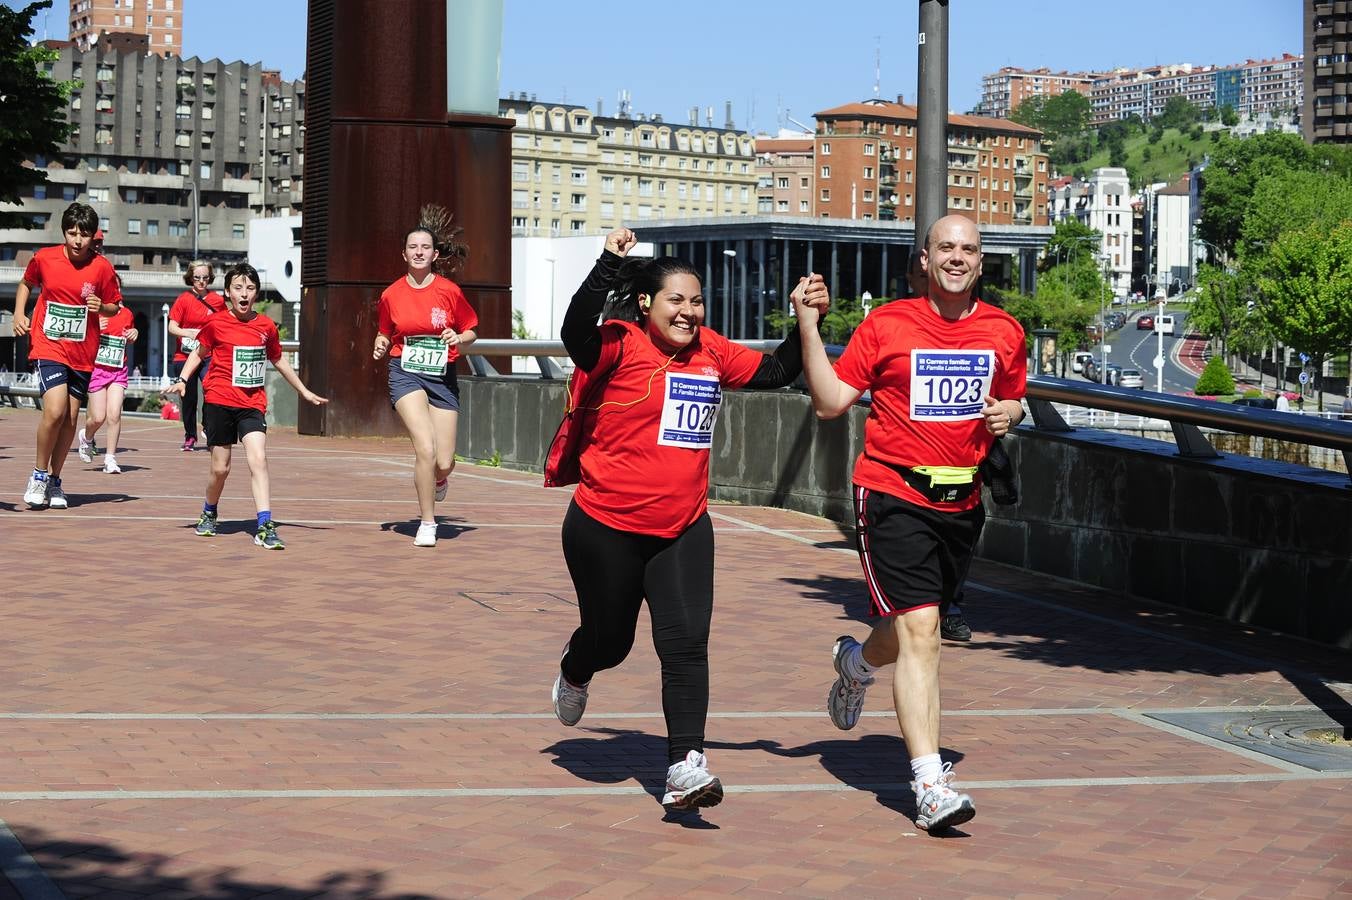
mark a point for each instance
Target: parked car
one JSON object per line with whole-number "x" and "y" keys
{"x": 1131, "y": 378}
{"x": 1078, "y": 359}
{"x": 1090, "y": 369}
{"x": 1165, "y": 325}
{"x": 1112, "y": 374}
{"x": 1259, "y": 402}
{"x": 1145, "y": 323}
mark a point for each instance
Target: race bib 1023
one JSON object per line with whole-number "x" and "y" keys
{"x": 950, "y": 385}
{"x": 689, "y": 410}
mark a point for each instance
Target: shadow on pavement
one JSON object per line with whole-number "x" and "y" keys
{"x": 77, "y": 866}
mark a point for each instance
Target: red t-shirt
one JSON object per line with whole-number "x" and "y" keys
{"x": 929, "y": 377}
{"x": 115, "y": 326}
{"x": 62, "y": 287}
{"x": 645, "y": 461}
{"x": 406, "y": 311}
{"x": 237, "y": 351}
{"x": 189, "y": 312}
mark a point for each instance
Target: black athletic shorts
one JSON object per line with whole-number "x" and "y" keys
{"x": 912, "y": 556}
{"x": 226, "y": 425}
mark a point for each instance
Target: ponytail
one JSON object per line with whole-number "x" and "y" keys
{"x": 436, "y": 221}
{"x": 641, "y": 276}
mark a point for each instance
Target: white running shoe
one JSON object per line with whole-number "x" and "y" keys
{"x": 110, "y": 466}
{"x": 938, "y": 806}
{"x": 846, "y": 700}
{"x": 86, "y": 449}
{"x": 690, "y": 784}
{"x": 56, "y": 498}
{"x": 442, "y": 486}
{"x": 427, "y": 535}
{"x": 35, "y": 495}
{"x": 570, "y": 701}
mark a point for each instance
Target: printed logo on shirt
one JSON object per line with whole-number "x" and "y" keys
{"x": 87, "y": 290}
{"x": 439, "y": 319}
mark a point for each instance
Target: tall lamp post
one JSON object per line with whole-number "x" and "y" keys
{"x": 1159, "y": 332}
{"x": 728, "y": 257}
{"x": 164, "y": 360}
{"x": 1103, "y": 316}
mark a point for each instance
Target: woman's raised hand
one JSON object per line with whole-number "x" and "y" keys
{"x": 621, "y": 241}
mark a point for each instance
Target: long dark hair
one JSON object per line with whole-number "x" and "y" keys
{"x": 642, "y": 276}
{"x": 436, "y": 221}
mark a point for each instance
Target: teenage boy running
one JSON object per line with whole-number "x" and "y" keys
{"x": 239, "y": 345}
{"x": 75, "y": 287}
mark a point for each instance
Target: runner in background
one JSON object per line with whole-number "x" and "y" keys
{"x": 425, "y": 324}
{"x": 239, "y": 345}
{"x": 638, "y": 527}
{"x": 186, "y": 317}
{"x": 75, "y": 286}
{"x": 108, "y": 387}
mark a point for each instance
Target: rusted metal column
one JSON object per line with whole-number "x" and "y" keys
{"x": 378, "y": 145}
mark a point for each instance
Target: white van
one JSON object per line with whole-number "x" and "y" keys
{"x": 1078, "y": 359}
{"x": 1165, "y": 325}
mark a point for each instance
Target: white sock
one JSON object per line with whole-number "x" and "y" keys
{"x": 427, "y": 524}
{"x": 855, "y": 665}
{"x": 927, "y": 769}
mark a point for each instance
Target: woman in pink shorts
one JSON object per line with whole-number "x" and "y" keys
{"x": 108, "y": 387}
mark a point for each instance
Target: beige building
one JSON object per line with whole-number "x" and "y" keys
{"x": 784, "y": 176}
{"x": 577, "y": 172}
{"x": 1003, "y": 91}
{"x": 161, "y": 21}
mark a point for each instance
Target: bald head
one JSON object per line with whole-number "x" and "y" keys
{"x": 952, "y": 258}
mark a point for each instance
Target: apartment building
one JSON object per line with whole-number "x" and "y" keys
{"x": 864, "y": 163}
{"x": 1253, "y": 88}
{"x": 174, "y": 154}
{"x": 160, "y": 21}
{"x": 575, "y": 171}
{"x": 784, "y": 176}
{"x": 1327, "y": 82}
{"x": 1003, "y": 91}
{"x": 1102, "y": 202}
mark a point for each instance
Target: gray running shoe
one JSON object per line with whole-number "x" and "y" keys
{"x": 690, "y": 784}
{"x": 570, "y": 701}
{"x": 938, "y": 806}
{"x": 846, "y": 700}
{"x": 206, "y": 525}
{"x": 56, "y": 498}
{"x": 35, "y": 494}
{"x": 442, "y": 486}
{"x": 267, "y": 537}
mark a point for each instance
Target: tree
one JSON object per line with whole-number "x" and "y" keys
{"x": 1307, "y": 284}
{"x": 1229, "y": 118}
{"x": 1177, "y": 113}
{"x": 1215, "y": 379}
{"x": 1235, "y": 167}
{"x": 32, "y": 108}
{"x": 1291, "y": 198}
{"x": 1066, "y": 114}
{"x": 1220, "y": 305}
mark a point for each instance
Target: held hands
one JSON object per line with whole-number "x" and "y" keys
{"x": 997, "y": 417}
{"x": 621, "y": 241}
{"x": 811, "y": 299}
{"x": 382, "y": 346}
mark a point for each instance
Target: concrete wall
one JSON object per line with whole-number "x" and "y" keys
{"x": 1258, "y": 541}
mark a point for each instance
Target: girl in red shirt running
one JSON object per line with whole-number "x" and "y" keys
{"x": 638, "y": 527}
{"x": 108, "y": 387}
{"x": 425, "y": 325}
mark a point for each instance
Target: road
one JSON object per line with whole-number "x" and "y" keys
{"x": 1133, "y": 349}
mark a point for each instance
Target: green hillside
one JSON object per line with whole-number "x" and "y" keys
{"x": 1165, "y": 160}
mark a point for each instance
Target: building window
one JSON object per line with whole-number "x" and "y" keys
{"x": 152, "y": 226}
{"x": 782, "y": 182}
{"x": 578, "y": 176}
{"x": 826, "y": 172}
{"x": 826, "y": 148}
{"x": 237, "y": 231}
{"x": 868, "y": 149}
{"x": 826, "y": 195}
{"x": 781, "y": 206}
{"x": 868, "y": 171}
{"x": 607, "y": 184}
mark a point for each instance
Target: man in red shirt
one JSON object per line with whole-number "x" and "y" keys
{"x": 946, "y": 373}
{"x": 75, "y": 286}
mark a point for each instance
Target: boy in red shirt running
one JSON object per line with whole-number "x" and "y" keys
{"x": 75, "y": 286}
{"x": 239, "y": 345}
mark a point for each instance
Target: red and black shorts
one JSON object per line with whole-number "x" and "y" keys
{"x": 912, "y": 556}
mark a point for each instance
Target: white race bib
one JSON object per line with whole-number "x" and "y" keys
{"x": 64, "y": 322}
{"x": 112, "y": 352}
{"x": 689, "y": 409}
{"x": 424, "y": 354}
{"x": 950, "y": 385}
{"x": 189, "y": 344}
{"x": 248, "y": 365}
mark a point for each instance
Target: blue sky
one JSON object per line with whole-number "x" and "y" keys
{"x": 782, "y": 58}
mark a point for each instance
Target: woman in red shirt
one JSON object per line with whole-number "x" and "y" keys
{"x": 187, "y": 316}
{"x": 108, "y": 387}
{"x": 425, "y": 325}
{"x": 638, "y": 527}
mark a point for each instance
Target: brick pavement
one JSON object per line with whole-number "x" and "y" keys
{"x": 356, "y": 717}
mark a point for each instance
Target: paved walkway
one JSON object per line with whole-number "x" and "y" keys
{"x": 356, "y": 717}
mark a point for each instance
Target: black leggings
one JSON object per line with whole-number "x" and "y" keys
{"x": 190, "y": 398}
{"x": 613, "y": 571}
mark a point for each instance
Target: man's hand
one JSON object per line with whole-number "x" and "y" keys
{"x": 997, "y": 416}
{"x": 621, "y": 241}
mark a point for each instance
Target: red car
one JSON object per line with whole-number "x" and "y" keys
{"x": 1145, "y": 323}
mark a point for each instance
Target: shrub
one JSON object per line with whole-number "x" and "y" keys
{"x": 1216, "y": 379}
{"x": 1252, "y": 393}
{"x": 152, "y": 402}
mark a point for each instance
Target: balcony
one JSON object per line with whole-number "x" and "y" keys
{"x": 145, "y": 180}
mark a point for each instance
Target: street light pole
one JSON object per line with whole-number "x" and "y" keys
{"x": 196, "y": 211}
{"x": 728, "y": 256}
{"x": 164, "y": 360}
{"x": 1159, "y": 331}
{"x": 1103, "y": 330}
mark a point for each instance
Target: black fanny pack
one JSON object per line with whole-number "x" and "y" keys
{"x": 925, "y": 484}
